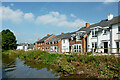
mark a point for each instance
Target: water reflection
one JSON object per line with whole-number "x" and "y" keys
{"x": 16, "y": 68}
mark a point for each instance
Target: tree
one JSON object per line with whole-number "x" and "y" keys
{"x": 8, "y": 40}
{"x": 0, "y": 42}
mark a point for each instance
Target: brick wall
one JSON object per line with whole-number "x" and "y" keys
{"x": 43, "y": 44}
{"x": 84, "y": 43}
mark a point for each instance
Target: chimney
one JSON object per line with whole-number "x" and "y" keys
{"x": 110, "y": 16}
{"x": 30, "y": 43}
{"x": 48, "y": 34}
{"x": 87, "y": 24}
{"x": 38, "y": 39}
{"x": 62, "y": 33}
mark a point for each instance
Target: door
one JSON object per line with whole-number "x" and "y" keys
{"x": 70, "y": 48}
{"x": 117, "y": 43}
{"x": 106, "y": 47}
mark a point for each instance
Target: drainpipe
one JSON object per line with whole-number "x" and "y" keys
{"x": 97, "y": 39}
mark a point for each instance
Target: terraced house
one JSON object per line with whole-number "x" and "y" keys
{"x": 60, "y": 43}
{"x": 41, "y": 43}
{"x": 102, "y": 37}
{"x": 65, "y": 42}
{"x": 78, "y": 40}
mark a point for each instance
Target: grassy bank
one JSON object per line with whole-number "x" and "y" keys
{"x": 91, "y": 66}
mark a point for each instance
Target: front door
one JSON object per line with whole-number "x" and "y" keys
{"x": 105, "y": 47}
{"x": 70, "y": 48}
{"x": 118, "y": 46}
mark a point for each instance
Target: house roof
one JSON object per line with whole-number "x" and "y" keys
{"x": 44, "y": 38}
{"x": 82, "y": 29}
{"x": 104, "y": 23}
{"x": 115, "y": 20}
{"x": 61, "y": 36}
{"x": 107, "y": 22}
{"x": 23, "y": 44}
{"x": 31, "y": 46}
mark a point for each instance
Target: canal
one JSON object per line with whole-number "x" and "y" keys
{"x": 16, "y": 68}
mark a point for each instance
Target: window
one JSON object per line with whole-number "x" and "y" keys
{"x": 55, "y": 47}
{"x": 46, "y": 47}
{"x": 75, "y": 47}
{"x": 50, "y": 42}
{"x": 63, "y": 41}
{"x": 105, "y": 31}
{"x": 79, "y": 47}
{"x": 71, "y": 38}
{"x": 78, "y": 38}
{"x": 94, "y": 32}
{"x": 117, "y": 45}
{"x": 56, "y": 42}
{"x": 94, "y": 44}
{"x": 118, "y": 28}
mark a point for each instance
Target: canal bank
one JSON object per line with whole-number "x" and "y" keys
{"x": 62, "y": 65}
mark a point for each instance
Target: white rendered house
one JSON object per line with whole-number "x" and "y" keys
{"x": 22, "y": 46}
{"x": 104, "y": 35}
{"x": 115, "y": 35}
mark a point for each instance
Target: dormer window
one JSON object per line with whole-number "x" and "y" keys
{"x": 104, "y": 32}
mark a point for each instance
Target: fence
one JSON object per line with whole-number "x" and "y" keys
{"x": 101, "y": 50}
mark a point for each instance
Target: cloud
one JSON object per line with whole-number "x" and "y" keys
{"x": 9, "y": 14}
{"x": 29, "y": 17}
{"x": 57, "y": 19}
{"x": 72, "y": 15}
{"x": 11, "y": 4}
{"x": 109, "y": 1}
{"x": 52, "y": 18}
{"x": 15, "y": 16}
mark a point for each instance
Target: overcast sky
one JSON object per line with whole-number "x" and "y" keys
{"x": 32, "y": 20}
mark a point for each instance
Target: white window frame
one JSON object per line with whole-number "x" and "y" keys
{"x": 94, "y": 32}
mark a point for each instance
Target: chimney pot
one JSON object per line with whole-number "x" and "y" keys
{"x": 48, "y": 34}
{"x": 87, "y": 24}
{"x": 38, "y": 39}
{"x": 110, "y": 16}
{"x": 62, "y": 33}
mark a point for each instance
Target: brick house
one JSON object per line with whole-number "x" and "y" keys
{"x": 65, "y": 42}
{"x": 59, "y": 43}
{"x": 41, "y": 43}
{"x": 79, "y": 40}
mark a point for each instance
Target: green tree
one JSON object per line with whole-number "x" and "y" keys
{"x": 8, "y": 40}
{"x": 0, "y": 42}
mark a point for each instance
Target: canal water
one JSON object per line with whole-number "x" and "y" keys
{"x": 16, "y": 68}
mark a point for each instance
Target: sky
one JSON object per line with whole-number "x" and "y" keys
{"x": 32, "y": 20}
